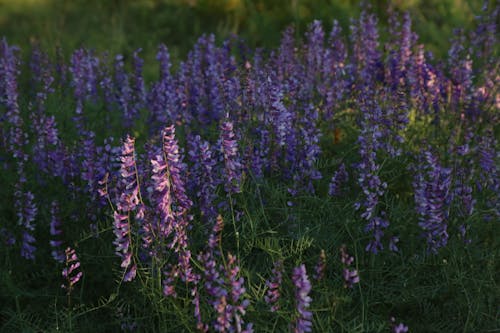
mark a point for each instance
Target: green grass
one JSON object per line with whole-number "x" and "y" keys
{"x": 122, "y": 26}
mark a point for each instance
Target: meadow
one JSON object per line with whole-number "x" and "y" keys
{"x": 342, "y": 179}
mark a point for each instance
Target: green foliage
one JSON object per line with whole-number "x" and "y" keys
{"x": 126, "y": 25}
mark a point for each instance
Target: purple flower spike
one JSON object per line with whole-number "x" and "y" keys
{"x": 216, "y": 236}
{"x": 127, "y": 203}
{"x": 350, "y": 276}
{"x": 273, "y": 293}
{"x": 55, "y": 231}
{"x": 71, "y": 273}
{"x": 302, "y": 289}
{"x": 345, "y": 258}
{"x": 200, "y": 326}
{"x": 399, "y": 328}
{"x": 339, "y": 178}
{"x": 432, "y": 199}
{"x": 238, "y": 305}
{"x": 27, "y": 211}
{"x": 319, "y": 273}
{"x": 232, "y": 163}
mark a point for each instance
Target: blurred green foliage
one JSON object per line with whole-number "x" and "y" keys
{"x": 121, "y": 26}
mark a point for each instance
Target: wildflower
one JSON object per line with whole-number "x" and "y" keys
{"x": 71, "y": 273}
{"x": 350, "y": 276}
{"x": 432, "y": 199}
{"x": 55, "y": 231}
{"x": 26, "y": 212}
{"x": 128, "y": 201}
{"x": 274, "y": 284}
{"x": 319, "y": 273}
{"x": 339, "y": 178}
{"x": 302, "y": 288}
{"x": 399, "y": 328}
{"x": 233, "y": 168}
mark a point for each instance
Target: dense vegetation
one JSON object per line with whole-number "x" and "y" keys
{"x": 338, "y": 182}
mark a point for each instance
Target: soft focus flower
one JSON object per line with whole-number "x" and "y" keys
{"x": 233, "y": 168}
{"x": 302, "y": 288}
{"x": 350, "y": 276}
{"x": 71, "y": 273}
{"x": 319, "y": 270}
{"x": 56, "y": 232}
{"x": 274, "y": 285}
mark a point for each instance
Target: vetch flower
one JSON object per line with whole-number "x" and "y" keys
{"x": 233, "y": 168}
{"x": 56, "y": 232}
{"x": 274, "y": 284}
{"x": 350, "y": 276}
{"x": 319, "y": 270}
{"x": 71, "y": 273}
{"x": 300, "y": 279}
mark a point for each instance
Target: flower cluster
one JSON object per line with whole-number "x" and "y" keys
{"x": 432, "y": 187}
{"x": 232, "y": 164}
{"x": 398, "y": 328}
{"x": 127, "y": 202}
{"x": 350, "y": 276}
{"x": 56, "y": 232}
{"x": 302, "y": 289}
{"x": 319, "y": 271}
{"x": 273, "y": 293}
{"x": 339, "y": 178}
{"x": 71, "y": 273}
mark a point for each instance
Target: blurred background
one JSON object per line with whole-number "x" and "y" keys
{"x": 121, "y": 26}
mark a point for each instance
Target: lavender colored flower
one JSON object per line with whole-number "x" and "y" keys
{"x": 200, "y": 326}
{"x": 345, "y": 258}
{"x": 84, "y": 79}
{"x": 9, "y": 72}
{"x": 171, "y": 274}
{"x": 399, "y": 328}
{"x": 367, "y": 57}
{"x": 339, "y": 178}
{"x": 393, "y": 244}
{"x": 273, "y": 293}
{"x": 176, "y": 169}
{"x": 205, "y": 176}
{"x": 350, "y": 276}
{"x": 26, "y": 213}
{"x": 215, "y": 236}
{"x": 336, "y": 82}
{"x": 319, "y": 270}
{"x": 307, "y": 152}
{"x": 233, "y": 168}
{"x": 225, "y": 289}
{"x": 303, "y": 322}
{"x": 124, "y": 92}
{"x": 238, "y": 305}
{"x": 373, "y": 188}
{"x": 432, "y": 199}
{"x": 176, "y": 172}
{"x": 162, "y": 196}
{"x": 128, "y": 201}
{"x": 139, "y": 87}
{"x": 314, "y": 56}
{"x": 56, "y": 232}
{"x": 46, "y": 141}
{"x": 72, "y": 272}
{"x": 7, "y": 237}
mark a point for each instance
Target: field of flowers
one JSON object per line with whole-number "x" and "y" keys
{"x": 341, "y": 182}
